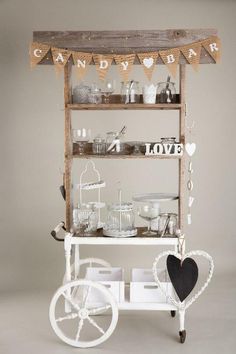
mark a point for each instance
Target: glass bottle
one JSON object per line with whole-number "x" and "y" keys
{"x": 130, "y": 92}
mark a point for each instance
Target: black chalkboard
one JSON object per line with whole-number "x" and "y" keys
{"x": 182, "y": 276}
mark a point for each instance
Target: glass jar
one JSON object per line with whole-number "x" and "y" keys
{"x": 99, "y": 146}
{"x": 168, "y": 224}
{"x": 169, "y": 141}
{"x": 113, "y": 139}
{"x": 166, "y": 92}
{"x": 130, "y": 92}
{"x": 95, "y": 95}
{"x": 120, "y": 221}
{"x": 81, "y": 93}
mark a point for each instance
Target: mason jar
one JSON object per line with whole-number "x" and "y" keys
{"x": 166, "y": 92}
{"x": 130, "y": 92}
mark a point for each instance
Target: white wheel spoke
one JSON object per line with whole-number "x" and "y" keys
{"x": 93, "y": 323}
{"x": 85, "y": 297}
{"x": 70, "y": 301}
{"x": 99, "y": 310}
{"x": 71, "y": 316}
{"x": 80, "y": 325}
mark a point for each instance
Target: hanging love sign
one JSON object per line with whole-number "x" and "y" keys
{"x": 180, "y": 278}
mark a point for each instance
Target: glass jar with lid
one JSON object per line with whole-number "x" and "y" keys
{"x": 114, "y": 143}
{"x": 99, "y": 145}
{"x": 166, "y": 92}
{"x": 130, "y": 92}
{"x": 120, "y": 220}
{"x": 168, "y": 224}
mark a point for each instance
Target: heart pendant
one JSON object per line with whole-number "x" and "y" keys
{"x": 148, "y": 62}
{"x": 183, "y": 275}
{"x": 186, "y": 280}
{"x": 190, "y": 148}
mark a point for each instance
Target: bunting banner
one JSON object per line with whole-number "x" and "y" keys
{"x": 192, "y": 54}
{"x": 60, "y": 58}
{"x": 125, "y": 63}
{"x": 103, "y": 63}
{"x": 148, "y": 61}
{"x": 37, "y": 52}
{"x": 81, "y": 61}
{"x": 213, "y": 47}
{"x": 170, "y": 57}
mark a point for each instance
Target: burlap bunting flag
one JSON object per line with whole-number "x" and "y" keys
{"x": 103, "y": 63}
{"x": 125, "y": 64}
{"x": 192, "y": 54}
{"x": 81, "y": 61}
{"x": 171, "y": 58}
{"x": 213, "y": 47}
{"x": 60, "y": 58}
{"x": 148, "y": 61}
{"x": 37, "y": 53}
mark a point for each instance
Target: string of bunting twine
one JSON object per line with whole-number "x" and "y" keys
{"x": 170, "y": 57}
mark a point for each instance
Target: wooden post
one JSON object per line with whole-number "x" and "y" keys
{"x": 68, "y": 145}
{"x": 182, "y": 71}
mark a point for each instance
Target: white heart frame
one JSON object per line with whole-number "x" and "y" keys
{"x": 183, "y": 305}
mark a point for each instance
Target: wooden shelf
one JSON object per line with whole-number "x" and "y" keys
{"x": 122, "y": 106}
{"x": 140, "y": 239}
{"x": 162, "y": 157}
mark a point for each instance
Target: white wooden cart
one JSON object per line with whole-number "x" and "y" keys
{"x": 72, "y": 311}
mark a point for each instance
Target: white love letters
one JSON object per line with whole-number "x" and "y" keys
{"x": 163, "y": 149}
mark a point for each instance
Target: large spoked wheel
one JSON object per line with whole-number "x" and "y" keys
{"x": 79, "y": 328}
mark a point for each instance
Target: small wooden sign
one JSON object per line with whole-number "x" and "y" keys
{"x": 174, "y": 149}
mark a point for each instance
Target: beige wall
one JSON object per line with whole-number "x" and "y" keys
{"x": 32, "y": 135}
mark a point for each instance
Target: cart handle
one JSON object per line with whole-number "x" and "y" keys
{"x": 55, "y": 231}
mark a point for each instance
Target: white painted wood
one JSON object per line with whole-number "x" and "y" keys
{"x": 132, "y": 241}
{"x": 143, "y": 287}
{"x": 145, "y": 306}
{"x": 84, "y": 313}
{"x": 181, "y": 320}
{"x": 111, "y": 278}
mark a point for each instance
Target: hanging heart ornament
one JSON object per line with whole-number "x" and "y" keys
{"x": 190, "y": 148}
{"x": 189, "y": 270}
{"x": 148, "y": 62}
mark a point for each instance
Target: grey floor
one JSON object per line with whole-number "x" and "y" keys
{"x": 210, "y": 324}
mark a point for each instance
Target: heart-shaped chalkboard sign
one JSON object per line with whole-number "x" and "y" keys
{"x": 183, "y": 275}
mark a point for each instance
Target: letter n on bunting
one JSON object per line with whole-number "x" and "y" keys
{"x": 81, "y": 61}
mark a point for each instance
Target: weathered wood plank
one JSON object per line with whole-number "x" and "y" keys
{"x": 106, "y": 42}
{"x": 68, "y": 147}
{"x": 182, "y": 81}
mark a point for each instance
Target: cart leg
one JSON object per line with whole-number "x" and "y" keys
{"x": 77, "y": 267}
{"x": 67, "y": 247}
{"x": 182, "y": 331}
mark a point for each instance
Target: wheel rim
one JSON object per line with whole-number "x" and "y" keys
{"x": 78, "y": 294}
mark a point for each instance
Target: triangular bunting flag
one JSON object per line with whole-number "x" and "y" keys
{"x": 37, "y": 53}
{"x": 192, "y": 54}
{"x": 60, "y": 58}
{"x": 125, "y": 63}
{"x": 213, "y": 47}
{"x": 81, "y": 61}
{"x": 103, "y": 63}
{"x": 171, "y": 58}
{"x": 148, "y": 61}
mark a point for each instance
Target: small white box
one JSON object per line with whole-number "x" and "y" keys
{"x": 143, "y": 288}
{"x": 111, "y": 278}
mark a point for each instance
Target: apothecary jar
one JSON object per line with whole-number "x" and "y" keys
{"x": 120, "y": 220}
{"x": 166, "y": 92}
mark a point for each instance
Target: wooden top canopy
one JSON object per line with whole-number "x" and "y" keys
{"x": 122, "y": 42}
